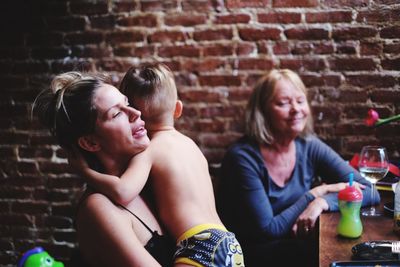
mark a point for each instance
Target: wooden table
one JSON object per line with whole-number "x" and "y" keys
{"x": 335, "y": 248}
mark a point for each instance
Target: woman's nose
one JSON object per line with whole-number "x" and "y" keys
{"x": 295, "y": 107}
{"x": 133, "y": 113}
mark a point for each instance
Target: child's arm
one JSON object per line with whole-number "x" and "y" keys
{"x": 119, "y": 189}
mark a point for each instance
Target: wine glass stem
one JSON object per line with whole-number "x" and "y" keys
{"x": 373, "y": 185}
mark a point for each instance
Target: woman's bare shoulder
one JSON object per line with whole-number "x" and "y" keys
{"x": 95, "y": 205}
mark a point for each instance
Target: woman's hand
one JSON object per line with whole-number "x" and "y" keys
{"x": 305, "y": 223}
{"x": 324, "y": 189}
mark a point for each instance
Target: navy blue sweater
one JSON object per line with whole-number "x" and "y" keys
{"x": 253, "y": 207}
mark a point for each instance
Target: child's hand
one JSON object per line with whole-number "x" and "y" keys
{"x": 77, "y": 161}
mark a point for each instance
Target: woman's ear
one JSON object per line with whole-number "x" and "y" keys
{"x": 178, "y": 109}
{"x": 89, "y": 143}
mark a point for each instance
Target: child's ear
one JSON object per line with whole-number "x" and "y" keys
{"x": 178, "y": 109}
{"x": 89, "y": 143}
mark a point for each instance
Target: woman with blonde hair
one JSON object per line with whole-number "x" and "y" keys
{"x": 267, "y": 194}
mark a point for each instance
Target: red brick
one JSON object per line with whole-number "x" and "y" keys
{"x": 255, "y": 63}
{"x": 392, "y": 48}
{"x": 184, "y": 20}
{"x": 371, "y": 80}
{"x": 206, "y": 65}
{"x": 110, "y": 65}
{"x": 321, "y": 80}
{"x": 353, "y": 33}
{"x": 156, "y": 5}
{"x": 198, "y": 5}
{"x": 352, "y": 64}
{"x": 173, "y": 51}
{"x": 295, "y": 3}
{"x": 390, "y": 32}
{"x": 308, "y": 64}
{"x": 350, "y": 96}
{"x": 348, "y": 48}
{"x": 244, "y": 49}
{"x": 370, "y": 48}
{"x": 218, "y": 50}
{"x": 219, "y": 80}
{"x": 385, "y": 96}
{"x": 252, "y": 34}
{"x": 233, "y": 4}
{"x": 323, "y": 48}
{"x": 307, "y": 33}
{"x": 124, "y": 6}
{"x": 130, "y": 51}
{"x": 211, "y": 126}
{"x": 218, "y": 34}
{"x": 118, "y": 37}
{"x": 281, "y": 48}
{"x": 329, "y": 17}
{"x": 391, "y": 64}
{"x": 346, "y": 3}
{"x": 329, "y": 113}
{"x": 33, "y": 66}
{"x": 232, "y": 19}
{"x": 302, "y": 48}
{"x": 378, "y": 15}
{"x": 137, "y": 21}
{"x": 279, "y": 17}
{"x": 168, "y": 37}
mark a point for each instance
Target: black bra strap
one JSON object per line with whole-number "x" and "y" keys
{"x": 145, "y": 225}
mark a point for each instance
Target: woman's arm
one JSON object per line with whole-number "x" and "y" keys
{"x": 107, "y": 237}
{"x": 119, "y": 189}
{"x": 333, "y": 169}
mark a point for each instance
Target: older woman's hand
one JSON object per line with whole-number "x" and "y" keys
{"x": 305, "y": 223}
{"x": 324, "y": 189}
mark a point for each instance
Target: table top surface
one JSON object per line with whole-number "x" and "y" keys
{"x": 332, "y": 247}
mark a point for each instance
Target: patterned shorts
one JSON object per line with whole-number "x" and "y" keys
{"x": 209, "y": 245}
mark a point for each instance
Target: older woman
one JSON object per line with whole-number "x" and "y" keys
{"x": 266, "y": 194}
{"x": 90, "y": 116}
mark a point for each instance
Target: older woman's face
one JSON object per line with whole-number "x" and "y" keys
{"x": 119, "y": 129}
{"x": 289, "y": 110}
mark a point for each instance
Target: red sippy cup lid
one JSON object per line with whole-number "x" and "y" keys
{"x": 350, "y": 193}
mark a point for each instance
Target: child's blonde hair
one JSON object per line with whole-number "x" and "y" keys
{"x": 153, "y": 85}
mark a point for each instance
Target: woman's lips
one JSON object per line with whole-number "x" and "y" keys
{"x": 139, "y": 132}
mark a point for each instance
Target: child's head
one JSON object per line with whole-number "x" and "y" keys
{"x": 151, "y": 89}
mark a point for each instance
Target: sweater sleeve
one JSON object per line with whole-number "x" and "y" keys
{"x": 334, "y": 169}
{"x": 254, "y": 214}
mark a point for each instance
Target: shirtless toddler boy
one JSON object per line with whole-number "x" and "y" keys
{"x": 177, "y": 171}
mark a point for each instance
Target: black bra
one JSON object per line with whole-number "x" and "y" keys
{"x": 161, "y": 247}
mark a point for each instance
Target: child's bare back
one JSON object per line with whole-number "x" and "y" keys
{"x": 181, "y": 182}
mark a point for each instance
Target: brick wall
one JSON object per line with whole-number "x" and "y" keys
{"x": 346, "y": 51}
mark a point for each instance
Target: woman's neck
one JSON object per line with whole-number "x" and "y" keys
{"x": 113, "y": 165}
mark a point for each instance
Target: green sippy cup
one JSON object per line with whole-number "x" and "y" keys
{"x": 350, "y": 200}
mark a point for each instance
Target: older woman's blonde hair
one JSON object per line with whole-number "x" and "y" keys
{"x": 257, "y": 124}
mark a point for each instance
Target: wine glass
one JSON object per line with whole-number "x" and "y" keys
{"x": 373, "y": 165}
